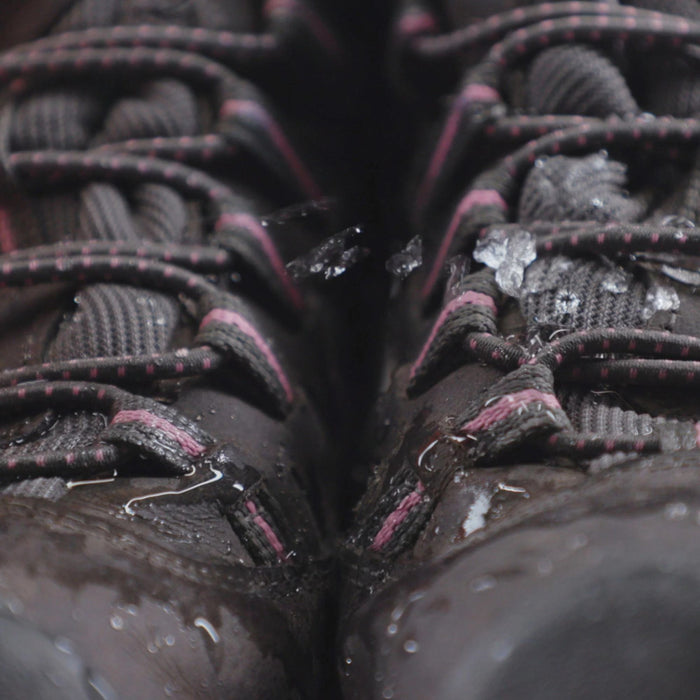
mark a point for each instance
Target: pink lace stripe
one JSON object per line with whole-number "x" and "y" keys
{"x": 250, "y": 223}
{"x": 186, "y": 441}
{"x": 468, "y": 298}
{"x": 501, "y": 409}
{"x": 232, "y": 318}
{"x": 231, "y": 107}
{"x": 395, "y": 518}
{"x": 267, "y": 530}
{"x": 475, "y": 198}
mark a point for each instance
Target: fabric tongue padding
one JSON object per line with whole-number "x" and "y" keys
{"x": 671, "y": 85}
{"x": 590, "y": 188}
{"x": 577, "y": 80}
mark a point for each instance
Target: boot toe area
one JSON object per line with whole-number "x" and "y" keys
{"x": 101, "y": 614}
{"x": 33, "y": 665}
{"x": 602, "y": 607}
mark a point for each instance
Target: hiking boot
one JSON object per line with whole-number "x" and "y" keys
{"x": 168, "y": 390}
{"x": 530, "y": 528}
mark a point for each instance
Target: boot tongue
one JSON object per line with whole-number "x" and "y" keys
{"x": 576, "y": 294}
{"x": 671, "y": 83}
{"x": 578, "y": 79}
{"x": 589, "y": 188}
{"x": 24, "y": 20}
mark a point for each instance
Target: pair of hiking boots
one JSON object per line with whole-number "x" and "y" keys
{"x": 197, "y": 202}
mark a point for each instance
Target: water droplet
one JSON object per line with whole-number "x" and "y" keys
{"x": 388, "y": 693}
{"x": 411, "y": 646}
{"x": 545, "y": 567}
{"x": 348, "y": 660}
{"x": 392, "y": 629}
{"x": 546, "y": 273}
{"x": 169, "y": 640}
{"x": 459, "y": 267}
{"x": 483, "y": 583}
{"x": 55, "y": 681}
{"x": 204, "y": 624}
{"x": 578, "y": 541}
{"x": 102, "y": 689}
{"x": 616, "y": 281}
{"x": 501, "y": 650}
{"x": 116, "y": 622}
{"x": 680, "y": 221}
{"x": 682, "y": 275}
{"x": 508, "y": 252}
{"x": 424, "y": 453}
{"x": 397, "y": 613}
{"x": 331, "y": 258}
{"x": 566, "y": 304}
{"x": 660, "y": 298}
{"x": 64, "y": 645}
{"x": 152, "y": 648}
{"x": 509, "y": 488}
{"x": 403, "y": 263}
{"x": 476, "y": 516}
{"x": 676, "y": 511}
{"x": 15, "y": 606}
{"x": 416, "y": 595}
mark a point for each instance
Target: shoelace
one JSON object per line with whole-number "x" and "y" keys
{"x": 228, "y": 340}
{"x": 524, "y": 402}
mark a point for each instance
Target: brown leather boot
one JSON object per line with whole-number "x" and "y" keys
{"x": 531, "y": 525}
{"x": 167, "y": 404}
